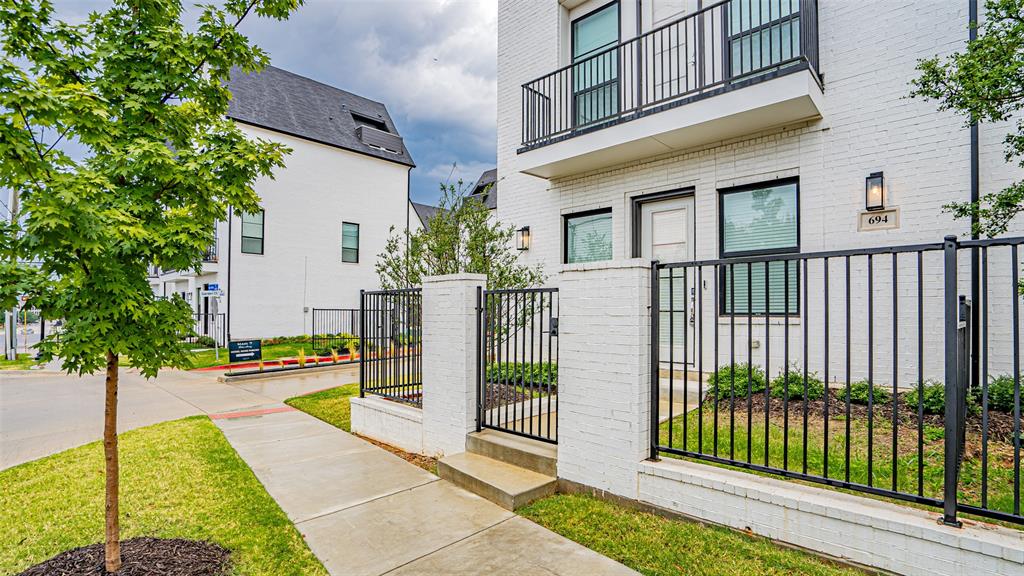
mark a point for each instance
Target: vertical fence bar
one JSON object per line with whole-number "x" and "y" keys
{"x": 479, "y": 357}
{"x": 950, "y": 461}
{"x": 362, "y": 343}
{"x": 655, "y": 360}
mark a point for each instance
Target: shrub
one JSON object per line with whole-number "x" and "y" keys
{"x": 732, "y": 379}
{"x": 795, "y": 391}
{"x": 301, "y": 339}
{"x": 859, "y": 393}
{"x": 1000, "y": 393}
{"x": 206, "y": 342}
{"x": 934, "y": 398}
{"x": 519, "y": 373}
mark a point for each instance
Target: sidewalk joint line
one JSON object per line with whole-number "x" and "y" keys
{"x": 484, "y": 529}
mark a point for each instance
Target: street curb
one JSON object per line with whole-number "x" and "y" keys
{"x": 282, "y": 373}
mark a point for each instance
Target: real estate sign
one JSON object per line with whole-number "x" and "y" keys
{"x": 244, "y": 350}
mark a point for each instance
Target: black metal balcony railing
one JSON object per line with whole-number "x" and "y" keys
{"x": 726, "y": 45}
{"x": 210, "y": 255}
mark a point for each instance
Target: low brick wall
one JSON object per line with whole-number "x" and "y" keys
{"x": 389, "y": 422}
{"x": 862, "y": 530}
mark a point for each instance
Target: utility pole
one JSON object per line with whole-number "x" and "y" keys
{"x": 11, "y": 316}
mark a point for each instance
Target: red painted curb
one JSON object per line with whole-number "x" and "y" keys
{"x": 230, "y": 415}
{"x": 310, "y": 363}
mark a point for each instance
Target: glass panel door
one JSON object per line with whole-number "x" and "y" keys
{"x": 596, "y": 65}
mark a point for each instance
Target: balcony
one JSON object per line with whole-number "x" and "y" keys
{"x": 730, "y": 69}
{"x": 210, "y": 255}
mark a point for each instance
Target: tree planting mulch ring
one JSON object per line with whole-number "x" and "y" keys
{"x": 141, "y": 557}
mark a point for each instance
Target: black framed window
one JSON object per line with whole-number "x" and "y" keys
{"x": 596, "y": 70}
{"x": 763, "y": 34}
{"x": 349, "y": 242}
{"x": 756, "y": 220}
{"x": 252, "y": 232}
{"x": 588, "y": 236}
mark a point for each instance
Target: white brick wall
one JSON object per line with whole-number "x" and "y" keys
{"x": 449, "y": 361}
{"x": 869, "y": 532}
{"x": 389, "y": 422}
{"x": 603, "y": 374}
{"x": 869, "y": 124}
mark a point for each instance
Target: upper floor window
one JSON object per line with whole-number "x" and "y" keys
{"x": 375, "y": 123}
{"x": 762, "y": 36}
{"x": 588, "y": 236}
{"x": 596, "y": 71}
{"x": 252, "y": 232}
{"x": 349, "y": 242}
{"x": 758, "y": 220}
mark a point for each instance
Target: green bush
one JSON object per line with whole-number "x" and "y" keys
{"x": 731, "y": 380}
{"x": 206, "y": 342}
{"x": 1000, "y": 393}
{"x": 795, "y": 391}
{"x": 934, "y": 398}
{"x": 519, "y": 373}
{"x": 859, "y": 393}
{"x": 300, "y": 339}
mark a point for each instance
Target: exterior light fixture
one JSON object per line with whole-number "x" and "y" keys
{"x": 523, "y": 238}
{"x": 874, "y": 192}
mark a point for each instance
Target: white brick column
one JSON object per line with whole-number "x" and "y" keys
{"x": 449, "y": 361}
{"x": 604, "y": 374}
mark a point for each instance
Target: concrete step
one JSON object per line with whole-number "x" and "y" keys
{"x": 506, "y": 485}
{"x": 541, "y": 457}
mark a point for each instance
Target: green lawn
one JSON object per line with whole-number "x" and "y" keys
{"x": 736, "y": 437}
{"x": 24, "y": 362}
{"x": 331, "y": 406}
{"x": 655, "y": 545}
{"x": 178, "y": 479}
{"x": 205, "y": 358}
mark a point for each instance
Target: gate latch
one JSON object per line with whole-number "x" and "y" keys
{"x": 554, "y": 326}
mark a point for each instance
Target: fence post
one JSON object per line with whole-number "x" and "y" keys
{"x": 362, "y": 343}
{"x": 655, "y": 358}
{"x": 952, "y": 372}
{"x": 479, "y": 354}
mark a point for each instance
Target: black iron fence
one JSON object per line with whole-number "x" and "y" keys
{"x": 724, "y": 45}
{"x": 889, "y": 371}
{"x": 517, "y": 362}
{"x": 335, "y": 329}
{"x": 210, "y": 330}
{"x": 390, "y": 345}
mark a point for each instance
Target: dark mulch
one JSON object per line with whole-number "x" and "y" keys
{"x": 502, "y": 394}
{"x": 1000, "y": 424}
{"x": 141, "y": 557}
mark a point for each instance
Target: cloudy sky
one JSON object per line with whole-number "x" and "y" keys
{"x": 432, "y": 62}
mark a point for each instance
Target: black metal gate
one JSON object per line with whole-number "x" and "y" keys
{"x": 391, "y": 345}
{"x": 333, "y": 328}
{"x": 517, "y": 362}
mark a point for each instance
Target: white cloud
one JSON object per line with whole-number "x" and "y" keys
{"x": 467, "y": 172}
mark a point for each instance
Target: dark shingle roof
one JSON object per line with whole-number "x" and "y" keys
{"x": 285, "y": 102}
{"x": 488, "y": 196}
{"x": 425, "y": 212}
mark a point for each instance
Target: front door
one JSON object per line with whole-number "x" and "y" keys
{"x": 666, "y": 235}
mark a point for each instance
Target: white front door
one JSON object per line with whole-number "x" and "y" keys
{"x": 666, "y": 235}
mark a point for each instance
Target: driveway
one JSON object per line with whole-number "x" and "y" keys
{"x": 42, "y": 413}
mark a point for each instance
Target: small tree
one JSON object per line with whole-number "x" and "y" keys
{"x": 461, "y": 236}
{"x": 147, "y": 100}
{"x": 986, "y": 83}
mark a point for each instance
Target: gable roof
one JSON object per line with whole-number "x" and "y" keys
{"x": 284, "y": 102}
{"x": 488, "y": 196}
{"x": 425, "y": 212}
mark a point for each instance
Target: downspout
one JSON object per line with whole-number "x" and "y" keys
{"x": 408, "y": 208}
{"x": 975, "y": 196}
{"x": 230, "y": 294}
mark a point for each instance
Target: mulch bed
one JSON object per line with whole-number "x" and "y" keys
{"x": 141, "y": 557}
{"x": 503, "y": 394}
{"x": 1000, "y": 424}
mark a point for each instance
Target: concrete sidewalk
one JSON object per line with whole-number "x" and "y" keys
{"x": 365, "y": 511}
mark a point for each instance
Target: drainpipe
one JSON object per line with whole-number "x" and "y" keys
{"x": 229, "y": 293}
{"x": 975, "y": 196}
{"x": 408, "y": 208}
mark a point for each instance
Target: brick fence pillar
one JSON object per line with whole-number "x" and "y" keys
{"x": 449, "y": 361}
{"x": 604, "y": 374}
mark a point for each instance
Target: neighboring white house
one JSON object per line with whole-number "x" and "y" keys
{"x": 325, "y": 216}
{"x": 652, "y": 128}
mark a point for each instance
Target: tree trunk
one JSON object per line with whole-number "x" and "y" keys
{"x": 113, "y": 526}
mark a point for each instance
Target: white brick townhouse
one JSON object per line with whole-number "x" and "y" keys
{"x": 325, "y": 216}
{"x": 679, "y": 130}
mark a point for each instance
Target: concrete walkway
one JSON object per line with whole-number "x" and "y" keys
{"x": 45, "y": 412}
{"x": 365, "y": 511}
